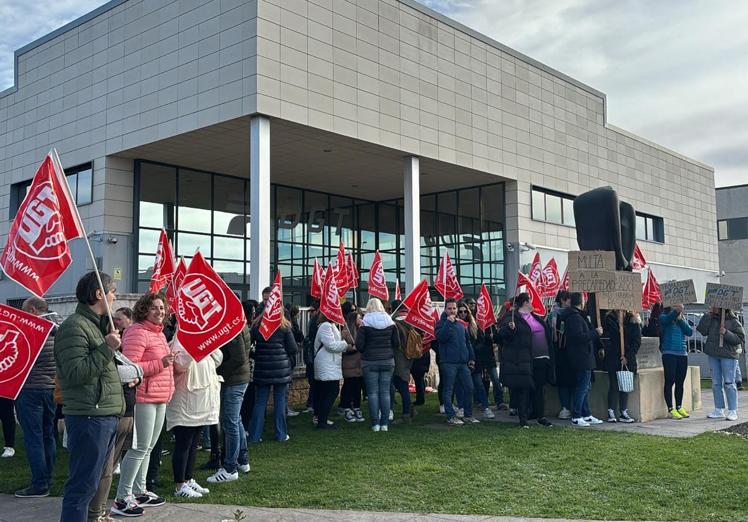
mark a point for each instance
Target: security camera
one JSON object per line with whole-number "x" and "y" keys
{"x": 112, "y": 239}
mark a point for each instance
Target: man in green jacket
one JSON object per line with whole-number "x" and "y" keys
{"x": 91, "y": 391}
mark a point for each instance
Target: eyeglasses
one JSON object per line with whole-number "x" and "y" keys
{"x": 462, "y": 312}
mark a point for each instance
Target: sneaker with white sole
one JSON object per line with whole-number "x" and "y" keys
{"x": 470, "y": 420}
{"x": 625, "y": 417}
{"x": 349, "y": 415}
{"x": 223, "y": 476}
{"x": 454, "y": 421}
{"x": 612, "y": 416}
{"x": 593, "y": 420}
{"x": 732, "y": 415}
{"x": 488, "y": 414}
{"x": 580, "y": 422}
{"x": 197, "y": 487}
{"x": 376, "y": 428}
{"x": 149, "y": 499}
{"x": 7, "y": 453}
{"x": 244, "y": 468}
{"x": 126, "y": 507}
{"x": 290, "y": 412}
{"x": 460, "y": 413}
{"x": 359, "y": 415}
{"x": 392, "y": 415}
{"x": 187, "y": 492}
{"x": 383, "y": 427}
{"x": 564, "y": 414}
{"x": 717, "y": 413}
{"x": 442, "y": 411}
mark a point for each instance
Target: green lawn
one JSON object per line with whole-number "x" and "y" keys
{"x": 494, "y": 469}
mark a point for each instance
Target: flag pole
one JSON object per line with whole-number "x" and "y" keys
{"x": 58, "y": 165}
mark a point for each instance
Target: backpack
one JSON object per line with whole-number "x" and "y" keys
{"x": 413, "y": 345}
{"x": 308, "y": 350}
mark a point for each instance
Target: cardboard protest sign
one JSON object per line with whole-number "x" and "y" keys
{"x": 678, "y": 292}
{"x": 627, "y": 294}
{"x": 724, "y": 296}
{"x": 591, "y": 271}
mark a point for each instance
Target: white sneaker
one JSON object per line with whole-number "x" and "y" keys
{"x": 187, "y": 492}
{"x": 223, "y": 476}
{"x": 349, "y": 415}
{"x": 7, "y": 453}
{"x": 488, "y": 414}
{"x": 612, "y": 416}
{"x": 564, "y": 414}
{"x": 197, "y": 487}
{"x": 459, "y": 413}
{"x": 441, "y": 409}
{"x": 717, "y": 413}
{"x": 392, "y": 415}
{"x": 244, "y": 468}
{"x": 593, "y": 420}
{"x": 580, "y": 422}
{"x": 625, "y": 417}
{"x": 376, "y": 427}
{"x": 116, "y": 470}
{"x": 383, "y": 428}
{"x": 292, "y": 413}
{"x": 732, "y": 415}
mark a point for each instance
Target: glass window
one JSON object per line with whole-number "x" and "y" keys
{"x": 73, "y": 184}
{"x": 538, "y": 205}
{"x": 650, "y": 228}
{"x": 158, "y": 184}
{"x": 737, "y": 228}
{"x": 553, "y": 208}
{"x": 194, "y": 211}
{"x": 148, "y": 240}
{"x": 188, "y": 243}
{"x": 85, "y": 187}
{"x": 230, "y": 206}
{"x": 228, "y": 248}
{"x": 568, "y": 208}
{"x": 641, "y": 227}
{"x": 288, "y": 214}
{"x": 722, "y": 230}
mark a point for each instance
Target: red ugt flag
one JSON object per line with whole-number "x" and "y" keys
{"x": 398, "y": 295}
{"x": 175, "y": 283}
{"x": 164, "y": 268}
{"x": 565, "y": 280}
{"x": 37, "y": 252}
{"x": 446, "y": 279}
{"x": 484, "y": 314}
{"x": 536, "y": 272}
{"x": 377, "y": 282}
{"x": 421, "y": 313}
{"x": 651, "y": 293}
{"x": 317, "y": 280}
{"x": 410, "y": 299}
{"x": 342, "y": 275}
{"x": 272, "y": 315}
{"x": 22, "y": 337}
{"x": 351, "y": 270}
{"x": 637, "y": 261}
{"x": 208, "y": 313}
{"x": 330, "y": 303}
{"x": 537, "y": 302}
{"x": 551, "y": 280}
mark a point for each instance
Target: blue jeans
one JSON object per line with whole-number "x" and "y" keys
{"x": 378, "y": 379}
{"x": 565, "y": 395}
{"x": 235, "y": 438}
{"x": 262, "y": 392}
{"x": 35, "y": 410}
{"x": 402, "y": 388}
{"x": 723, "y": 382}
{"x": 582, "y": 394}
{"x": 454, "y": 374}
{"x": 479, "y": 391}
{"x": 90, "y": 439}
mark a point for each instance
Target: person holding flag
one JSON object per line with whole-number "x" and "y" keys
{"x": 91, "y": 391}
{"x": 377, "y": 340}
{"x": 275, "y": 358}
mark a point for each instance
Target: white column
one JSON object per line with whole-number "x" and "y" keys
{"x": 259, "y": 205}
{"x": 412, "y": 197}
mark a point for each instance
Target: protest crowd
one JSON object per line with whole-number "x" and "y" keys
{"x": 193, "y": 361}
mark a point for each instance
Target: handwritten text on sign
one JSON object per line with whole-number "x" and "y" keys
{"x": 678, "y": 292}
{"x": 627, "y": 294}
{"x": 724, "y": 296}
{"x": 592, "y": 281}
{"x": 591, "y": 260}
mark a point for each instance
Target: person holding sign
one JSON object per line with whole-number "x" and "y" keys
{"x": 91, "y": 391}
{"x": 674, "y": 330}
{"x": 723, "y": 358}
{"x": 616, "y": 359}
{"x": 581, "y": 340}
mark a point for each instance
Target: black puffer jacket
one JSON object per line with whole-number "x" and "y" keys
{"x": 42, "y": 374}
{"x": 581, "y": 339}
{"x": 235, "y": 368}
{"x": 632, "y": 340}
{"x": 377, "y": 339}
{"x": 275, "y": 358}
{"x": 484, "y": 354}
{"x": 516, "y": 353}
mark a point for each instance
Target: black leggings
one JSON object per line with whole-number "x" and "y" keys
{"x": 350, "y": 394}
{"x": 521, "y": 398}
{"x": 616, "y": 397}
{"x": 9, "y": 422}
{"x": 185, "y": 450}
{"x": 675, "y": 368}
{"x": 325, "y": 394}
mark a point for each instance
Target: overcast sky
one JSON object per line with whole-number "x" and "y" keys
{"x": 674, "y": 71}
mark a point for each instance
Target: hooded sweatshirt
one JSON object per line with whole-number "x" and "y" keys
{"x": 377, "y": 339}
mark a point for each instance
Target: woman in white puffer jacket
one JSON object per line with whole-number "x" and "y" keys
{"x": 196, "y": 403}
{"x": 329, "y": 346}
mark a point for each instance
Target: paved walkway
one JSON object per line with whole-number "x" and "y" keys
{"x": 48, "y": 509}
{"x": 696, "y": 425}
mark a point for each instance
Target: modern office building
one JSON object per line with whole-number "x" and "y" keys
{"x": 264, "y": 132}
{"x": 732, "y": 231}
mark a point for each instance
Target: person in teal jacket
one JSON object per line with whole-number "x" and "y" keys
{"x": 674, "y": 329}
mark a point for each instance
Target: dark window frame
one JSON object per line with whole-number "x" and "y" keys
{"x": 736, "y": 229}
{"x": 658, "y": 228}
{"x": 19, "y": 190}
{"x": 552, "y": 193}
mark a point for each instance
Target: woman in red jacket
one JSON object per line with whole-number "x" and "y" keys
{"x": 145, "y": 344}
